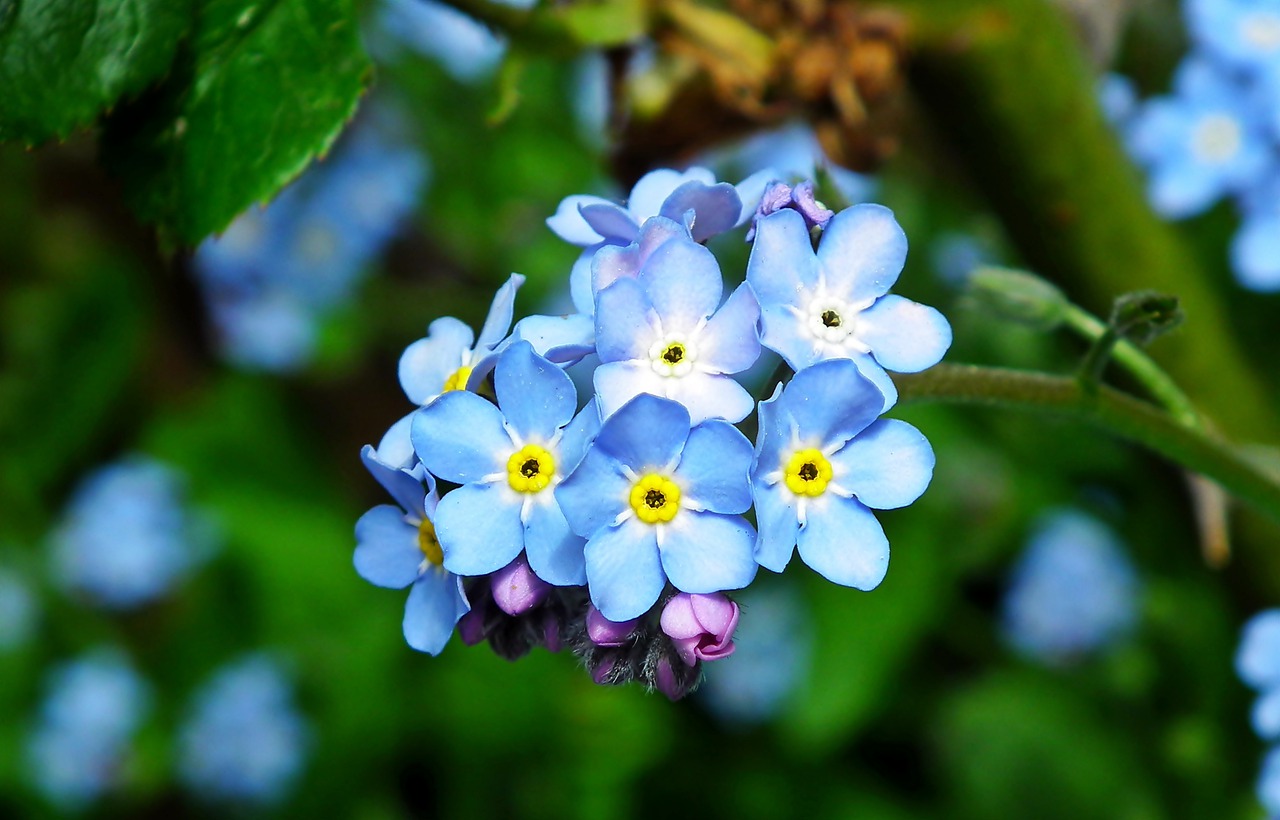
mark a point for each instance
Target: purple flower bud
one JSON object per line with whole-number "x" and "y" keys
{"x": 516, "y": 590}
{"x": 604, "y": 666}
{"x": 604, "y": 632}
{"x": 551, "y": 632}
{"x": 807, "y": 204}
{"x": 700, "y": 626}
{"x": 671, "y": 684}
{"x": 471, "y": 626}
{"x": 776, "y": 197}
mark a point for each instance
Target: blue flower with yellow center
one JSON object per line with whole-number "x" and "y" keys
{"x": 660, "y": 500}
{"x": 822, "y": 463}
{"x": 508, "y": 460}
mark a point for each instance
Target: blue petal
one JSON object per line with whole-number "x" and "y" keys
{"x": 1258, "y": 657}
{"x": 717, "y": 207}
{"x": 611, "y": 221}
{"x": 625, "y": 322}
{"x": 888, "y": 465}
{"x": 646, "y": 433}
{"x": 843, "y": 542}
{"x": 709, "y": 397}
{"x": 870, "y": 368}
{"x": 479, "y": 528}
{"x": 561, "y": 339}
{"x": 624, "y": 572}
{"x": 555, "y": 553}
{"x": 652, "y": 189}
{"x": 776, "y": 518}
{"x": 829, "y": 403}
{"x": 427, "y": 363}
{"x": 617, "y": 383}
{"x": 536, "y": 397}
{"x": 435, "y": 605}
{"x": 1182, "y": 189}
{"x": 862, "y": 251}
{"x": 580, "y": 289}
{"x": 405, "y": 486}
{"x": 395, "y": 449}
{"x": 730, "y": 343}
{"x": 1265, "y": 715}
{"x": 568, "y": 223}
{"x": 387, "y": 553}
{"x": 613, "y": 263}
{"x": 904, "y": 336}
{"x": 577, "y": 435}
{"x": 751, "y": 191}
{"x": 706, "y": 552}
{"x": 460, "y": 437}
{"x": 713, "y": 469}
{"x": 782, "y": 269}
{"x": 783, "y": 332}
{"x": 498, "y": 321}
{"x": 683, "y": 283}
{"x": 1255, "y": 253}
{"x": 773, "y": 436}
{"x": 594, "y": 494}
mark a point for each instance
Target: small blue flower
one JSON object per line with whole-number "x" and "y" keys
{"x": 822, "y": 463}
{"x": 1255, "y": 249}
{"x": 1258, "y": 658}
{"x": 79, "y": 747}
{"x": 127, "y": 536}
{"x": 243, "y": 739}
{"x": 396, "y": 547}
{"x": 665, "y": 333}
{"x": 1244, "y": 34}
{"x": 1118, "y": 97}
{"x": 508, "y": 459}
{"x": 833, "y": 303}
{"x": 466, "y": 48}
{"x": 1073, "y": 591}
{"x": 1268, "y": 788}
{"x": 1199, "y": 144}
{"x": 19, "y": 610}
{"x": 658, "y": 499}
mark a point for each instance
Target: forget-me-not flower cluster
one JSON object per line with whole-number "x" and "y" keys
{"x": 1216, "y": 135}
{"x": 615, "y": 523}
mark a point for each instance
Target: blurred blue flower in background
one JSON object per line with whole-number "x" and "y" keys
{"x": 1118, "y": 97}
{"x": 270, "y": 278}
{"x": 127, "y": 536}
{"x": 1073, "y": 591}
{"x": 955, "y": 255}
{"x": 466, "y": 48}
{"x": 79, "y": 747}
{"x": 244, "y": 738}
{"x": 774, "y": 644}
{"x": 1258, "y": 665}
{"x": 19, "y": 610}
{"x": 1255, "y": 249}
{"x": 793, "y": 152}
{"x": 1244, "y": 34}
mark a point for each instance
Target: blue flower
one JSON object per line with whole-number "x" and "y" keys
{"x": 694, "y": 198}
{"x": 508, "y": 459}
{"x": 1244, "y": 34}
{"x": 1255, "y": 249}
{"x": 396, "y": 547}
{"x": 79, "y": 746}
{"x": 243, "y": 738}
{"x": 127, "y": 536}
{"x": 466, "y": 48}
{"x": 1073, "y": 591}
{"x": 1258, "y": 658}
{"x": 1118, "y": 97}
{"x": 822, "y": 463}
{"x": 1199, "y": 144}
{"x": 833, "y": 303}
{"x": 658, "y": 499}
{"x": 661, "y": 333}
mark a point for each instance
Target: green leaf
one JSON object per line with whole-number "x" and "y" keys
{"x": 263, "y": 89}
{"x": 63, "y": 62}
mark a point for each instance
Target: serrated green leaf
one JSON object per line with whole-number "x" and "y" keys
{"x": 64, "y": 62}
{"x": 264, "y": 88}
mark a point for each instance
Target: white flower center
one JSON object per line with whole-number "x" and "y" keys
{"x": 834, "y": 321}
{"x": 1261, "y": 30}
{"x": 673, "y": 355}
{"x": 1217, "y": 138}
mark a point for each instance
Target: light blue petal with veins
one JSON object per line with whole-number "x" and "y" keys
{"x": 498, "y": 322}
{"x": 593, "y": 495}
{"x": 428, "y": 362}
{"x": 713, "y": 468}
{"x": 568, "y": 224}
{"x": 887, "y": 466}
{"x": 828, "y": 403}
{"x": 683, "y": 283}
{"x": 580, "y": 290}
{"x": 704, "y": 552}
{"x": 479, "y": 528}
{"x": 555, "y": 553}
{"x": 870, "y": 368}
{"x": 730, "y": 343}
{"x": 710, "y": 397}
{"x": 904, "y": 336}
{"x": 716, "y": 207}
{"x": 561, "y": 339}
{"x": 436, "y": 603}
{"x": 652, "y": 189}
{"x": 647, "y": 433}
{"x": 782, "y": 269}
{"x": 617, "y": 383}
{"x": 395, "y": 449}
{"x": 787, "y": 335}
{"x": 843, "y": 542}
{"x": 624, "y": 571}
{"x": 536, "y": 397}
{"x": 387, "y": 553}
{"x": 862, "y": 252}
{"x": 611, "y": 221}
{"x": 776, "y": 518}
{"x": 460, "y": 437}
{"x": 405, "y": 486}
{"x": 624, "y": 322}
{"x": 577, "y": 435}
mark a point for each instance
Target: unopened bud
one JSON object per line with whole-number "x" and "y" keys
{"x": 1018, "y": 296}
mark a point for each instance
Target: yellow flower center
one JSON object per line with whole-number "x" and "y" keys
{"x": 428, "y": 544}
{"x": 807, "y": 473}
{"x": 655, "y": 499}
{"x": 530, "y": 469}
{"x": 457, "y": 380}
{"x": 673, "y": 354}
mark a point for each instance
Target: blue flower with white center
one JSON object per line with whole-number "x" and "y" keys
{"x": 244, "y": 739}
{"x": 833, "y": 303}
{"x": 659, "y": 500}
{"x": 665, "y": 333}
{"x": 1244, "y": 34}
{"x": 692, "y": 197}
{"x": 1199, "y": 144}
{"x": 127, "y": 536}
{"x": 509, "y": 460}
{"x": 397, "y": 547}
{"x": 1072, "y": 592}
{"x": 80, "y": 744}
{"x": 822, "y": 463}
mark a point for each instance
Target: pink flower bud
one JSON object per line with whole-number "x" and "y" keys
{"x": 604, "y": 632}
{"x": 700, "y": 626}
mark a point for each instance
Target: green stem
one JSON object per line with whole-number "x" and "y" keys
{"x": 1115, "y": 412}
